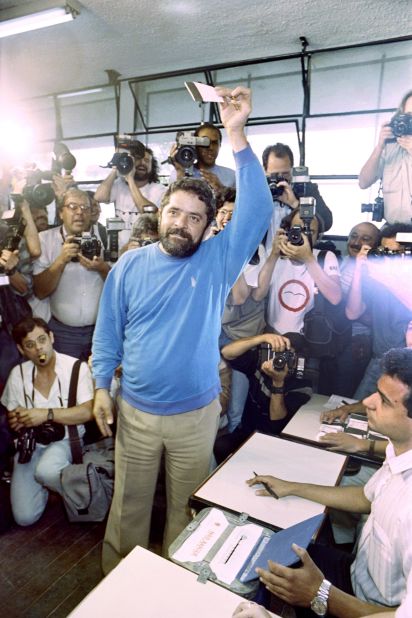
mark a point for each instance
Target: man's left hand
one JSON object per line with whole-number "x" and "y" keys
{"x": 278, "y": 375}
{"x": 295, "y": 586}
{"x": 97, "y": 264}
{"x": 300, "y": 253}
{"x": 24, "y": 418}
{"x": 405, "y": 142}
{"x": 212, "y": 180}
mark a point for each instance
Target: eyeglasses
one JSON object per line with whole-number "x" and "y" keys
{"x": 73, "y": 207}
{"x": 30, "y": 345}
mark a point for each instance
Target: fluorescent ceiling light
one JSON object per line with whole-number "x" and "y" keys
{"x": 79, "y": 93}
{"x": 35, "y": 21}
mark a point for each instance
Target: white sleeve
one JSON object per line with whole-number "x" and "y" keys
{"x": 85, "y": 390}
{"x": 331, "y": 264}
{"x": 13, "y": 395}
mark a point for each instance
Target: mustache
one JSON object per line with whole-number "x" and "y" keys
{"x": 178, "y": 231}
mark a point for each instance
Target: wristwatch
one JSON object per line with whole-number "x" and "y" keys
{"x": 319, "y": 603}
{"x": 277, "y": 390}
{"x": 50, "y": 414}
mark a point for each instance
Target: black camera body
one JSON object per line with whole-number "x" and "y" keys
{"x": 281, "y": 359}
{"x": 90, "y": 246}
{"x": 13, "y": 230}
{"x": 46, "y": 433}
{"x": 114, "y": 226}
{"x": 187, "y": 142}
{"x": 123, "y": 161}
{"x": 376, "y": 208}
{"x": 272, "y": 181}
{"x": 64, "y": 159}
{"x": 401, "y": 124}
{"x": 295, "y": 235}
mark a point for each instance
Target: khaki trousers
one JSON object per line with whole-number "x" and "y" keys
{"x": 187, "y": 440}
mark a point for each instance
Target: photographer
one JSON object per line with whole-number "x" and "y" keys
{"x": 278, "y": 163}
{"x": 37, "y": 392}
{"x": 145, "y": 231}
{"x": 291, "y": 273}
{"x": 391, "y": 161}
{"x": 389, "y": 316}
{"x": 275, "y": 393}
{"x": 217, "y": 176}
{"x": 72, "y": 280}
{"x": 134, "y": 192}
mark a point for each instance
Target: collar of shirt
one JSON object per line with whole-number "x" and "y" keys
{"x": 398, "y": 463}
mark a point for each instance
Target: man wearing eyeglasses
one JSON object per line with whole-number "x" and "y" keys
{"x": 71, "y": 281}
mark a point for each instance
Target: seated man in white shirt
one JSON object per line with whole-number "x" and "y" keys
{"x": 379, "y": 575}
{"x": 37, "y": 392}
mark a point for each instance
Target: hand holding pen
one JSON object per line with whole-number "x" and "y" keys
{"x": 277, "y": 488}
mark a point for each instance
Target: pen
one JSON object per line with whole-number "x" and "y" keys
{"x": 346, "y": 403}
{"x": 268, "y": 488}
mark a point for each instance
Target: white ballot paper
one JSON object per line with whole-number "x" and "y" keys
{"x": 202, "y": 93}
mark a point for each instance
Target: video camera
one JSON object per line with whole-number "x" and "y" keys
{"x": 186, "y": 154}
{"x": 300, "y": 182}
{"x": 10, "y": 236}
{"x": 401, "y": 124}
{"x": 376, "y": 208}
{"x": 404, "y": 238}
{"x": 114, "y": 226}
{"x": 90, "y": 246}
{"x": 123, "y": 160}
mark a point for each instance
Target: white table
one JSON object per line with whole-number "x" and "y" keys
{"x": 227, "y": 489}
{"x": 145, "y": 585}
{"x": 304, "y": 427}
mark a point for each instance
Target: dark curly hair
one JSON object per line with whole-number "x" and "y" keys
{"x": 197, "y": 187}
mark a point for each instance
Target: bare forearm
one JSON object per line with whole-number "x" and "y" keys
{"x": 138, "y": 198}
{"x": 237, "y": 139}
{"x": 74, "y": 415}
{"x": 265, "y": 277}
{"x": 103, "y": 191}
{"x": 240, "y": 291}
{"x": 31, "y": 234}
{"x": 343, "y": 605}
{"x": 328, "y": 286}
{"x": 237, "y": 348}
{"x": 351, "y": 499}
{"x": 355, "y": 306}
{"x": 370, "y": 171}
{"x": 47, "y": 281}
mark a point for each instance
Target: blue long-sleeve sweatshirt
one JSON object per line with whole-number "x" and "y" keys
{"x": 160, "y": 316}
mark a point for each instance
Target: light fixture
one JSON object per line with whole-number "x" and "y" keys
{"x": 37, "y": 20}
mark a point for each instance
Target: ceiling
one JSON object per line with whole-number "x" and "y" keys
{"x": 139, "y": 37}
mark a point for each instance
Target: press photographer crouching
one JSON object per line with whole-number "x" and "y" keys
{"x": 71, "y": 272}
{"x": 145, "y": 231}
{"x": 36, "y": 397}
{"x": 278, "y": 387}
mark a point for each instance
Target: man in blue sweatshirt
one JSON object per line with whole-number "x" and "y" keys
{"x": 160, "y": 318}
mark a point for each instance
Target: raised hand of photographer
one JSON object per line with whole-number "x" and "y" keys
{"x": 60, "y": 184}
{"x": 103, "y": 411}
{"x": 287, "y": 197}
{"x": 295, "y": 586}
{"x": 405, "y": 142}
{"x": 234, "y": 112}
{"x": 180, "y": 170}
{"x": 70, "y": 250}
{"x": 97, "y": 264}
{"x": 9, "y": 259}
{"x": 299, "y": 253}
{"x": 385, "y": 133}
{"x": 278, "y": 375}
{"x": 278, "y": 240}
{"x": 211, "y": 180}
{"x": 278, "y": 343}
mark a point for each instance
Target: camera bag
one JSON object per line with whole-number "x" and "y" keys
{"x": 89, "y": 481}
{"x": 325, "y": 327}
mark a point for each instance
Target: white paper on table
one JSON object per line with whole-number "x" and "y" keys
{"x": 197, "y": 545}
{"x": 325, "y": 428}
{"x": 336, "y": 401}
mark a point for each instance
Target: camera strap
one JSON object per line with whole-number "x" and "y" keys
{"x": 75, "y": 442}
{"x": 30, "y": 400}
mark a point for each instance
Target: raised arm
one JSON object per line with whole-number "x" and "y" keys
{"x": 370, "y": 171}
{"x": 102, "y": 193}
{"x": 355, "y": 306}
{"x": 235, "y": 349}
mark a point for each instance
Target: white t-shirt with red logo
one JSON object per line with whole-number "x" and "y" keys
{"x": 291, "y": 292}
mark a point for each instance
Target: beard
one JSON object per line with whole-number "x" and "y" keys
{"x": 178, "y": 248}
